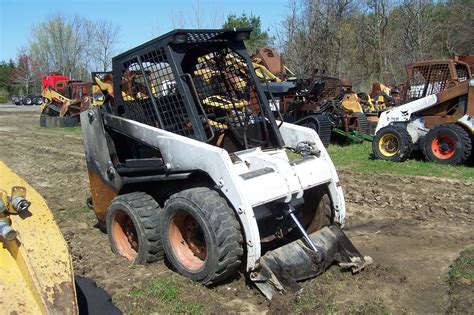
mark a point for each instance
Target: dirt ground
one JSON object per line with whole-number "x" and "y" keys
{"x": 413, "y": 227}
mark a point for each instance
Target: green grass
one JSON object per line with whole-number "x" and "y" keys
{"x": 463, "y": 267}
{"x": 161, "y": 295}
{"x": 358, "y": 158}
{"x": 372, "y": 306}
{"x": 461, "y": 284}
{"x": 67, "y": 129}
{"x": 311, "y": 301}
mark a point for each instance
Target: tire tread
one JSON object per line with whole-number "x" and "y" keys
{"x": 147, "y": 209}
{"x": 362, "y": 122}
{"x": 466, "y": 142}
{"x": 406, "y": 144}
{"x": 222, "y": 220}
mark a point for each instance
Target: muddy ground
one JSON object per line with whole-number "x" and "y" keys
{"x": 413, "y": 227}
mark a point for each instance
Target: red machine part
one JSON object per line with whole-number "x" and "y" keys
{"x": 55, "y": 80}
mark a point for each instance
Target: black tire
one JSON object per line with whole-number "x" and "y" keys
{"x": 212, "y": 249}
{"x": 392, "y": 143}
{"x": 332, "y": 113}
{"x": 447, "y": 144}
{"x": 39, "y": 100}
{"x": 27, "y": 100}
{"x": 323, "y": 126}
{"x": 362, "y": 123}
{"x": 315, "y": 218}
{"x": 93, "y": 300}
{"x": 132, "y": 224}
{"x": 59, "y": 122}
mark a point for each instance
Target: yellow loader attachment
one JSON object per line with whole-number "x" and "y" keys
{"x": 36, "y": 275}
{"x": 351, "y": 103}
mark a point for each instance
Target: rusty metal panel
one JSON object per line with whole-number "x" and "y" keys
{"x": 105, "y": 183}
{"x": 270, "y": 59}
{"x": 332, "y": 87}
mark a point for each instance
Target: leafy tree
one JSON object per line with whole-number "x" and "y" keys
{"x": 459, "y": 21}
{"x": 106, "y": 36}
{"x": 23, "y": 73}
{"x": 370, "y": 41}
{"x": 258, "y": 38}
{"x": 6, "y": 70}
{"x": 74, "y": 45}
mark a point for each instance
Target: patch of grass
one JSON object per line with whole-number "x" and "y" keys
{"x": 463, "y": 268}
{"x": 461, "y": 284}
{"x": 161, "y": 295}
{"x": 357, "y": 158}
{"x": 317, "y": 297}
{"x": 67, "y": 129}
{"x": 164, "y": 289}
{"x": 373, "y": 306}
{"x": 308, "y": 303}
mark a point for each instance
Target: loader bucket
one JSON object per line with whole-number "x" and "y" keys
{"x": 282, "y": 268}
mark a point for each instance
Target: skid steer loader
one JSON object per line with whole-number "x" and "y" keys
{"x": 437, "y": 120}
{"x": 189, "y": 163}
{"x": 65, "y": 99}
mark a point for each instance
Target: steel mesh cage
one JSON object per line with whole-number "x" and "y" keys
{"x": 226, "y": 90}
{"x": 203, "y": 37}
{"x": 150, "y": 95}
{"x": 198, "y": 84}
{"x": 462, "y": 72}
{"x": 428, "y": 79}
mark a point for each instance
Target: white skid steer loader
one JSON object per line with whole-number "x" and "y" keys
{"x": 440, "y": 125}
{"x": 187, "y": 160}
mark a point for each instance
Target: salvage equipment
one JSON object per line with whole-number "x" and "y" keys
{"x": 190, "y": 163}
{"x": 323, "y": 103}
{"x": 64, "y": 99}
{"x": 439, "y": 119}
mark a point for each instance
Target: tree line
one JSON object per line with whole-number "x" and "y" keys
{"x": 70, "y": 45}
{"x": 365, "y": 41}
{"x": 370, "y": 41}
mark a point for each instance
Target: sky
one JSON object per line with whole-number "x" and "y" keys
{"x": 139, "y": 20}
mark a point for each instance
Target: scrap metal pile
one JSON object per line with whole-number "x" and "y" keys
{"x": 324, "y": 103}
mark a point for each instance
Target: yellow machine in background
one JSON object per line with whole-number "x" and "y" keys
{"x": 350, "y": 102}
{"x": 35, "y": 265}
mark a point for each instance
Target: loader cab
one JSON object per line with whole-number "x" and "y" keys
{"x": 198, "y": 84}
{"x": 57, "y": 82}
{"x": 434, "y": 76}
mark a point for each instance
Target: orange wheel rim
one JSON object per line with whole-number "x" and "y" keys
{"x": 125, "y": 235}
{"x": 187, "y": 241}
{"x": 443, "y": 147}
